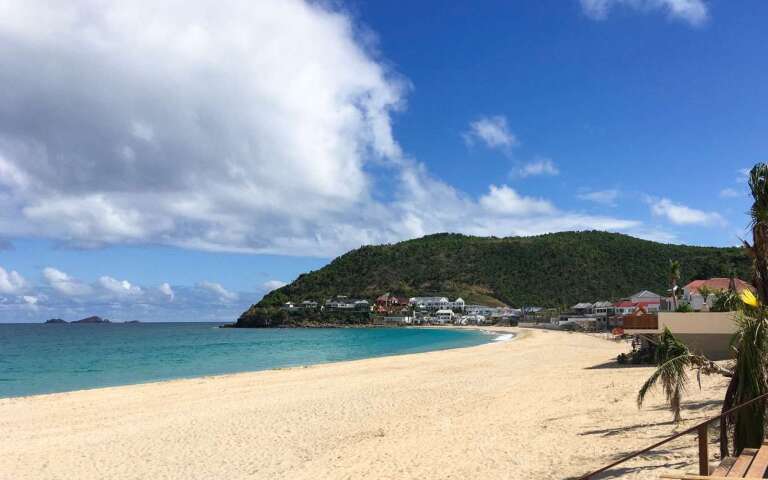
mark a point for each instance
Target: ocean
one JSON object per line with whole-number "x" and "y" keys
{"x": 38, "y": 358}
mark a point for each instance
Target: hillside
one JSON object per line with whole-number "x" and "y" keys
{"x": 547, "y": 270}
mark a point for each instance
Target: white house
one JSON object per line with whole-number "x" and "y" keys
{"x": 437, "y": 303}
{"x": 444, "y": 316}
{"x": 696, "y": 300}
{"x": 645, "y": 296}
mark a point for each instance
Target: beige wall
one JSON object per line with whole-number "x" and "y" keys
{"x": 698, "y": 322}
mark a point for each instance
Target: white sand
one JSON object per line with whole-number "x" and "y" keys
{"x": 540, "y": 406}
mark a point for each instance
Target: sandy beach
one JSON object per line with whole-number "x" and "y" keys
{"x": 545, "y": 405}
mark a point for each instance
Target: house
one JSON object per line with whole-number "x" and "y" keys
{"x": 345, "y": 304}
{"x": 692, "y": 296}
{"x": 603, "y": 309}
{"x": 437, "y": 303}
{"x": 391, "y": 304}
{"x": 645, "y": 296}
{"x": 582, "y": 308}
{"x": 308, "y": 305}
{"x": 625, "y": 307}
{"x": 444, "y": 316}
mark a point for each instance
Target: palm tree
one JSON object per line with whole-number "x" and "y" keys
{"x": 758, "y": 251}
{"x": 749, "y": 378}
{"x": 674, "y": 277}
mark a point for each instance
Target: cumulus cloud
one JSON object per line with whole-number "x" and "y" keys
{"x": 245, "y": 133}
{"x": 64, "y": 284}
{"x": 119, "y": 287}
{"x": 541, "y": 166}
{"x": 694, "y": 12}
{"x": 11, "y": 282}
{"x": 683, "y": 215}
{"x": 273, "y": 284}
{"x": 506, "y": 201}
{"x": 166, "y": 290}
{"x": 215, "y": 120}
{"x": 492, "y": 131}
{"x": 223, "y": 294}
{"x": 602, "y": 197}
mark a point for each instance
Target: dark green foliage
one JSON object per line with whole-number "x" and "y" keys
{"x": 726, "y": 301}
{"x": 547, "y": 270}
{"x": 685, "y": 308}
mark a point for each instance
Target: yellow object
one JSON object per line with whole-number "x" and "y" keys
{"x": 749, "y": 298}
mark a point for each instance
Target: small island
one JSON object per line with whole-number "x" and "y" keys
{"x": 56, "y": 320}
{"x": 91, "y": 319}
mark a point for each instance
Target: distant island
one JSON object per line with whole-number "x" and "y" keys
{"x": 552, "y": 271}
{"x": 92, "y": 319}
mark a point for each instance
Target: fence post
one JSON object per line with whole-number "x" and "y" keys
{"x": 703, "y": 454}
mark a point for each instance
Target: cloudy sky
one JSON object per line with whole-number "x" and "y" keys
{"x": 176, "y": 160}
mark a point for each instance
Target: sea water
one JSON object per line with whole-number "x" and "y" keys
{"x": 39, "y": 358}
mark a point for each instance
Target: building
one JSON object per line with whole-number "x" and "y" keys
{"x": 645, "y": 296}
{"x": 707, "y": 332}
{"x": 345, "y": 304}
{"x": 444, "y": 316}
{"x": 692, "y": 297}
{"x": 583, "y": 308}
{"x": 603, "y": 309}
{"x": 391, "y": 304}
{"x": 437, "y": 303}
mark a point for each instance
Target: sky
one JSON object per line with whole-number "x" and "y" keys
{"x": 176, "y": 160}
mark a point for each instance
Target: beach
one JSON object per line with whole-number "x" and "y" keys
{"x": 544, "y": 405}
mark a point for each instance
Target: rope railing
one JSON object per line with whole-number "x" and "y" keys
{"x": 701, "y": 430}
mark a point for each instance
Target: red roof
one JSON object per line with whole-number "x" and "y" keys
{"x": 625, "y": 304}
{"x": 718, "y": 284}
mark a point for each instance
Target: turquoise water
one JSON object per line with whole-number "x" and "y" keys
{"x": 39, "y": 358}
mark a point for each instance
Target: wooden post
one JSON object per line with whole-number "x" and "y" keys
{"x": 703, "y": 454}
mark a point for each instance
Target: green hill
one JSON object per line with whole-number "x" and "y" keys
{"x": 547, "y": 270}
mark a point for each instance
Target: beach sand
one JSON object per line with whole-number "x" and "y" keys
{"x": 545, "y": 405}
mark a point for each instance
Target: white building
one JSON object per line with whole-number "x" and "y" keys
{"x": 437, "y": 303}
{"x": 444, "y": 316}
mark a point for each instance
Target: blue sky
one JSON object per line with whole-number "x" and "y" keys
{"x": 175, "y": 162}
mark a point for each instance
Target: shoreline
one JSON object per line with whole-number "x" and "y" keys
{"x": 551, "y": 405}
{"x": 487, "y": 329}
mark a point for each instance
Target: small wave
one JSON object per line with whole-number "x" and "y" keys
{"x": 504, "y": 338}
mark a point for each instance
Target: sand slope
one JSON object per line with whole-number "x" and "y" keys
{"x": 538, "y": 407}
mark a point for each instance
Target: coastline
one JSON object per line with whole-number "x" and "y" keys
{"x": 548, "y": 405}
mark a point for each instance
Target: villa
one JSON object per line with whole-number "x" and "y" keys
{"x": 692, "y": 297}
{"x": 344, "y": 304}
{"x": 437, "y": 303}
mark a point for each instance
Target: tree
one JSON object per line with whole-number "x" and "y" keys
{"x": 758, "y": 250}
{"x": 674, "y": 277}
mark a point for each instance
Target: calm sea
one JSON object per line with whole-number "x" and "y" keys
{"x": 39, "y": 358}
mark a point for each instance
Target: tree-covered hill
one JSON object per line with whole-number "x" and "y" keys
{"x": 548, "y": 270}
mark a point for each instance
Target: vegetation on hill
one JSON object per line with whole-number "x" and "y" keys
{"x": 552, "y": 270}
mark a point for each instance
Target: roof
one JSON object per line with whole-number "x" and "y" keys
{"x": 718, "y": 284}
{"x": 645, "y": 294}
{"x": 603, "y": 304}
{"x": 428, "y": 299}
{"x": 582, "y": 306}
{"x": 444, "y": 311}
{"x": 625, "y": 304}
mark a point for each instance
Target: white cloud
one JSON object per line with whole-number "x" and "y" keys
{"x": 694, "y": 12}
{"x": 119, "y": 287}
{"x": 166, "y": 290}
{"x": 683, "y": 215}
{"x": 273, "y": 284}
{"x": 541, "y": 166}
{"x": 602, "y": 197}
{"x": 242, "y": 133}
{"x": 730, "y": 193}
{"x": 491, "y": 131}
{"x": 216, "y": 288}
{"x": 213, "y": 124}
{"x": 505, "y": 201}
{"x": 11, "y": 282}
{"x": 64, "y": 284}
